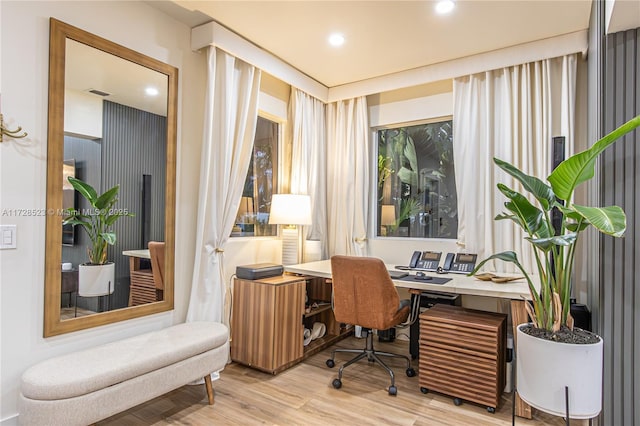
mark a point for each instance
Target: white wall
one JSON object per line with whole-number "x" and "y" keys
{"x": 23, "y": 163}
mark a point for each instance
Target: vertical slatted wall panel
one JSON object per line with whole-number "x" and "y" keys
{"x": 134, "y": 144}
{"x": 619, "y": 318}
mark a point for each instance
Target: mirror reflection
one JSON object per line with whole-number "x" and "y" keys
{"x": 114, "y": 134}
{"x": 112, "y": 123}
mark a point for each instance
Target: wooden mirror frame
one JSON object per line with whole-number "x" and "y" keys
{"x": 59, "y": 32}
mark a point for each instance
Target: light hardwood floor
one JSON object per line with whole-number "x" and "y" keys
{"x": 303, "y": 395}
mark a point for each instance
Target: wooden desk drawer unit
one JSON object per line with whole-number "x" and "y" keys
{"x": 462, "y": 354}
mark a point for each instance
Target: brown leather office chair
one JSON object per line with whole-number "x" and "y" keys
{"x": 364, "y": 295}
{"x": 156, "y": 253}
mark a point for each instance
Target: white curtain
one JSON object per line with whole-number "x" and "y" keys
{"x": 231, "y": 111}
{"x": 309, "y": 161}
{"x": 348, "y": 180}
{"x": 511, "y": 114}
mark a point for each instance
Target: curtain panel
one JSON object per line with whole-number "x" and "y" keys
{"x": 309, "y": 161}
{"x": 512, "y": 114}
{"x": 348, "y": 177}
{"x": 231, "y": 111}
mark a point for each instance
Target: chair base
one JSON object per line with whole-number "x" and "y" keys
{"x": 372, "y": 356}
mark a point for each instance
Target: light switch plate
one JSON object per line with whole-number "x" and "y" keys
{"x": 8, "y": 237}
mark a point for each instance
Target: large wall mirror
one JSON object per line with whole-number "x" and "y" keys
{"x": 112, "y": 121}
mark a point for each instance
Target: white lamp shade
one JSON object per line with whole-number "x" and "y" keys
{"x": 290, "y": 209}
{"x": 388, "y": 214}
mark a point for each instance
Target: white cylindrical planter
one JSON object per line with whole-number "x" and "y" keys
{"x": 545, "y": 367}
{"x": 96, "y": 280}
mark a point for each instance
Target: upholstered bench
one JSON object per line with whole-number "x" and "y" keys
{"x": 83, "y": 387}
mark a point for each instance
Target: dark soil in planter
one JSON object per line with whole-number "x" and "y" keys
{"x": 577, "y": 337}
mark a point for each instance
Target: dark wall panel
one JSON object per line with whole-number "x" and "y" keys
{"x": 619, "y": 318}
{"x": 134, "y": 144}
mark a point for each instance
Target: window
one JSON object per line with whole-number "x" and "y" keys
{"x": 416, "y": 185}
{"x": 260, "y": 184}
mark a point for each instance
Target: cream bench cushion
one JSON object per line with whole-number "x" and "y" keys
{"x": 86, "y": 386}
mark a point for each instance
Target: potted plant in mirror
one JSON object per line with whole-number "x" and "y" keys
{"x": 96, "y": 278}
{"x": 553, "y": 356}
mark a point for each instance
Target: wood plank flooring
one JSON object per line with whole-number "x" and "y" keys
{"x": 303, "y": 395}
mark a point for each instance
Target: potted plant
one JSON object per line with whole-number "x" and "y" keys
{"x": 96, "y": 278}
{"x": 553, "y": 356}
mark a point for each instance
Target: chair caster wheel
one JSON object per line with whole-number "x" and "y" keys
{"x": 492, "y": 410}
{"x": 330, "y": 363}
{"x": 457, "y": 401}
{"x": 424, "y": 390}
{"x": 393, "y": 391}
{"x": 411, "y": 372}
{"x": 337, "y": 383}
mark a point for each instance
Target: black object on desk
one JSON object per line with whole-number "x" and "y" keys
{"x": 425, "y": 280}
{"x": 396, "y": 275}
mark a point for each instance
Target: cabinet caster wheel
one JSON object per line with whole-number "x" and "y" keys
{"x": 393, "y": 391}
{"x": 457, "y": 401}
{"x": 411, "y": 372}
{"x": 492, "y": 410}
{"x": 337, "y": 383}
{"x": 330, "y": 363}
{"x": 424, "y": 390}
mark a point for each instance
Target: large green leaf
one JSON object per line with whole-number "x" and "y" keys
{"x": 512, "y": 257}
{"x": 529, "y": 215}
{"x": 580, "y": 167}
{"x": 108, "y": 198}
{"x": 84, "y": 189}
{"x": 540, "y": 190}
{"x": 507, "y": 256}
{"x": 109, "y": 237}
{"x": 545, "y": 244}
{"x": 608, "y": 220}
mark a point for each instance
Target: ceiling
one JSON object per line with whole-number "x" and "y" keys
{"x": 382, "y": 37}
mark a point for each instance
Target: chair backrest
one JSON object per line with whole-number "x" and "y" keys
{"x": 156, "y": 252}
{"x": 363, "y": 293}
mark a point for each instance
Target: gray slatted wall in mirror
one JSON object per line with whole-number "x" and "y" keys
{"x": 133, "y": 146}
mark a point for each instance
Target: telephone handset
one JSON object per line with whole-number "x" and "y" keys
{"x": 463, "y": 264}
{"x": 414, "y": 259}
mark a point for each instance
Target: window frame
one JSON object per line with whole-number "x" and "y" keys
{"x": 281, "y": 123}
{"x": 373, "y": 205}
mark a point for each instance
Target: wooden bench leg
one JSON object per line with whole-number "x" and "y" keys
{"x": 207, "y": 382}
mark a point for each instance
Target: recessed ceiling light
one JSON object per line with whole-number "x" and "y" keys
{"x": 445, "y": 6}
{"x": 336, "y": 39}
{"x": 151, "y": 91}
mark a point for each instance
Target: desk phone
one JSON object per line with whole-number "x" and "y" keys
{"x": 461, "y": 263}
{"x": 425, "y": 260}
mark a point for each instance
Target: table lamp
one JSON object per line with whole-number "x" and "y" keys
{"x": 292, "y": 211}
{"x": 387, "y": 217}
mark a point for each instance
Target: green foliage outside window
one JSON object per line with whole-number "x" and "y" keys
{"x": 416, "y": 181}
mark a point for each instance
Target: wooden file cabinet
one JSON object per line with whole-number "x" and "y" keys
{"x": 268, "y": 320}
{"x": 266, "y": 325}
{"x": 462, "y": 354}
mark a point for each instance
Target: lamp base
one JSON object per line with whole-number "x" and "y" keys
{"x": 289, "y": 246}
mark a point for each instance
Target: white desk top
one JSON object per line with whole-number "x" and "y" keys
{"x": 459, "y": 284}
{"x": 144, "y": 253}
